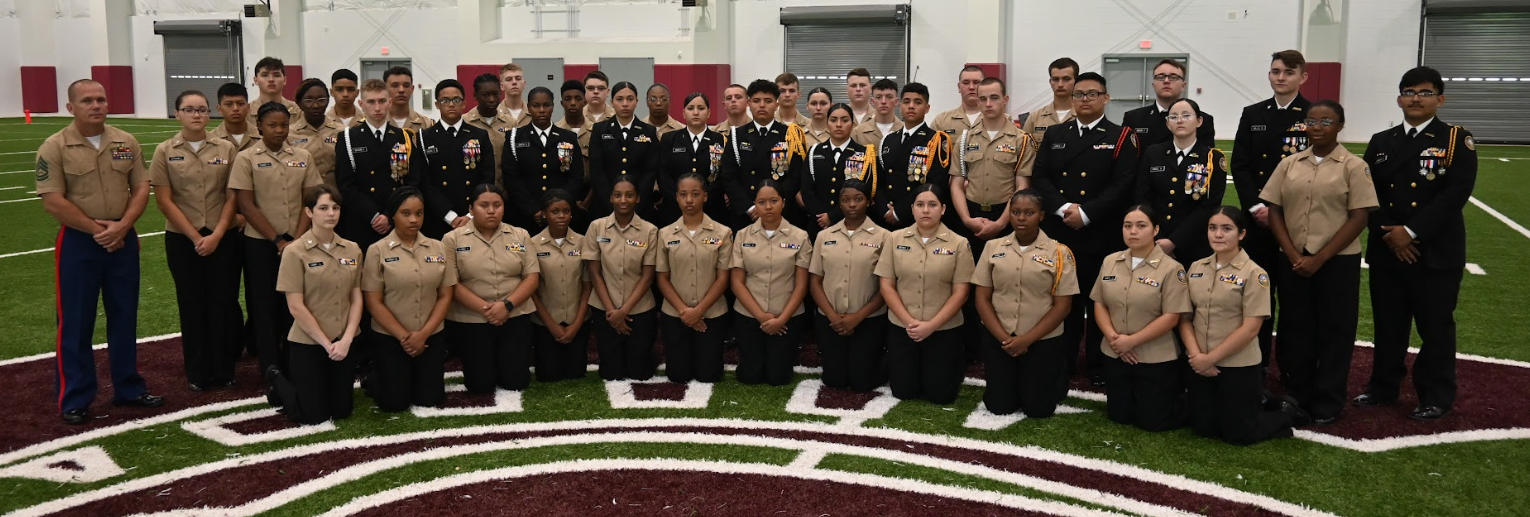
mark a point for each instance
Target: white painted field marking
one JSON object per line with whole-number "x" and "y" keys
{"x": 619, "y": 393}
{"x": 45, "y": 250}
{"x": 804, "y": 401}
{"x": 1470, "y": 268}
{"x": 12, "y": 188}
{"x": 1497, "y": 215}
{"x": 213, "y": 429}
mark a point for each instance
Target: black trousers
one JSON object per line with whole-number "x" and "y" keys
{"x": 764, "y": 358}
{"x": 205, "y": 287}
{"x": 1033, "y": 383}
{"x": 1149, "y": 396}
{"x": 269, "y": 318}
{"x": 240, "y": 339}
{"x": 493, "y": 356}
{"x": 629, "y": 356}
{"x": 1399, "y": 297}
{"x": 316, "y": 388}
{"x": 1318, "y": 316}
{"x": 857, "y": 362}
{"x": 1263, "y": 250}
{"x": 402, "y": 381}
{"x": 1079, "y": 328}
{"x": 1227, "y": 407}
{"x": 556, "y": 361}
{"x": 691, "y": 355}
{"x": 929, "y": 369}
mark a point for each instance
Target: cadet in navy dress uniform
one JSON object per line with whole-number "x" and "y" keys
{"x": 1183, "y": 179}
{"x": 1424, "y": 171}
{"x": 621, "y": 146}
{"x": 1084, "y": 171}
{"x": 765, "y": 149}
{"x": 830, "y": 165}
{"x": 459, "y": 156}
{"x": 1268, "y": 132}
{"x": 91, "y": 178}
{"x": 371, "y": 160}
{"x": 540, "y": 157}
{"x": 911, "y": 157}
{"x": 694, "y": 148}
{"x": 1169, "y": 81}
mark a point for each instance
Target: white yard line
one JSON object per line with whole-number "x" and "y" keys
{"x": 1497, "y": 215}
{"x": 45, "y": 250}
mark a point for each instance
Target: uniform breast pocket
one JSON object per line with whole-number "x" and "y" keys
{"x": 1006, "y": 156}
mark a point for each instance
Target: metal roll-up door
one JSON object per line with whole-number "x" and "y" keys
{"x": 1484, "y": 54}
{"x": 200, "y": 55}
{"x": 824, "y": 43}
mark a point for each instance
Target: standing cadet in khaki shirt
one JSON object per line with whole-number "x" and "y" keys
{"x": 693, "y": 275}
{"x": 238, "y": 126}
{"x": 190, "y": 177}
{"x": 1230, "y": 299}
{"x": 512, "y": 83}
{"x": 1025, "y": 287}
{"x": 848, "y": 327}
{"x": 884, "y": 121}
{"x": 1138, "y": 297}
{"x": 597, "y": 87}
{"x": 1319, "y": 199}
{"x": 769, "y": 280}
{"x": 816, "y": 129}
{"x": 620, "y": 253}
{"x": 497, "y": 274}
{"x": 408, "y": 291}
{"x": 736, "y": 106}
{"x": 343, "y": 88}
{"x": 270, "y": 81}
{"x": 315, "y": 132}
{"x": 563, "y": 294}
{"x": 786, "y": 103}
{"x": 401, "y": 114}
{"x": 486, "y": 94}
{"x": 995, "y": 160}
{"x": 658, "y": 111}
{"x": 269, "y": 181}
{"x": 1061, "y": 74}
{"x": 91, "y": 179}
{"x": 321, "y": 276}
{"x": 925, "y": 270}
{"x": 967, "y": 116}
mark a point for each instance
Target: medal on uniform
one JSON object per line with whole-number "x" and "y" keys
{"x": 714, "y": 159}
{"x": 565, "y": 156}
{"x": 470, "y": 152}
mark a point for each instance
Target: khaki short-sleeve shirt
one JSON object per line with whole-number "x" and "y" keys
{"x": 770, "y": 264}
{"x": 278, "y": 180}
{"x": 563, "y": 275}
{"x": 198, "y": 178}
{"x": 925, "y": 271}
{"x": 846, "y": 261}
{"x": 408, "y": 277}
{"x": 1317, "y": 197}
{"x": 248, "y": 140}
{"x": 320, "y": 144}
{"x": 1136, "y": 297}
{"x": 1221, "y": 297}
{"x": 1025, "y": 279}
{"x": 867, "y": 133}
{"x": 491, "y": 268}
{"x": 622, "y": 253}
{"x": 1044, "y": 117}
{"x": 325, "y": 277}
{"x": 99, "y": 181}
{"x": 991, "y": 164}
{"x": 693, "y": 262}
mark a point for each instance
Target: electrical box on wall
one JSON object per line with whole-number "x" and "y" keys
{"x": 257, "y": 11}
{"x": 693, "y": 3}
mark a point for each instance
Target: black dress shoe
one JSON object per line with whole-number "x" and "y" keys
{"x": 76, "y": 416}
{"x": 1428, "y": 413}
{"x": 1369, "y": 399}
{"x": 1327, "y": 420}
{"x": 1299, "y": 417}
{"x": 224, "y": 384}
{"x": 194, "y": 387}
{"x": 144, "y": 400}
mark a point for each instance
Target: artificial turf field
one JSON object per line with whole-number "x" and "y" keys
{"x": 588, "y": 447}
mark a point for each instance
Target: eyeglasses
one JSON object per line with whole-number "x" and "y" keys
{"x": 658, "y": 99}
{"x": 1409, "y": 94}
{"x": 450, "y": 101}
{"x": 1327, "y": 122}
{"x": 315, "y": 102}
{"x": 194, "y": 111}
{"x": 1173, "y": 78}
{"x": 1089, "y": 95}
{"x": 598, "y": 88}
{"x": 1180, "y": 116}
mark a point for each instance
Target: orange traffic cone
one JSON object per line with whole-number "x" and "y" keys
{"x": 29, "y": 116}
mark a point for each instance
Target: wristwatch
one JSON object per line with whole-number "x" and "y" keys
{"x": 283, "y": 237}
{"x": 509, "y": 305}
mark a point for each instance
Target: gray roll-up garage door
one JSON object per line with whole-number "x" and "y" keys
{"x": 200, "y": 55}
{"x": 824, "y": 43}
{"x": 1482, "y": 48}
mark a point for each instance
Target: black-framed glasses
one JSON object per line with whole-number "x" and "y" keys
{"x": 658, "y": 99}
{"x": 1327, "y": 122}
{"x": 1426, "y": 94}
{"x": 194, "y": 111}
{"x": 1173, "y": 78}
{"x": 450, "y": 101}
{"x": 1088, "y": 95}
{"x": 315, "y": 102}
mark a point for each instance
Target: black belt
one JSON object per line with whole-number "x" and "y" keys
{"x": 983, "y": 207}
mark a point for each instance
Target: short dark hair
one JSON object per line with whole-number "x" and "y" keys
{"x": 268, "y": 109}
{"x": 449, "y": 83}
{"x": 232, "y": 90}
{"x": 399, "y": 196}
{"x": 1176, "y": 64}
{"x": 660, "y": 86}
{"x": 344, "y": 73}
{"x": 786, "y": 78}
{"x": 698, "y": 95}
{"x": 1093, "y": 76}
{"x": 270, "y": 63}
{"x": 1421, "y": 75}
{"x": 596, "y": 74}
{"x": 1196, "y": 106}
{"x": 482, "y": 79}
{"x": 487, "y": 188}
{"x": 1029, "y": 193}
{"x": 82, "y": 82}
{"x": 1064, "y": 62}
{"x": 824, "y": 91}
{"x": 1237, "y": 215}
{"x": 311, "y": 82}
{"x": 541, "y": 89}
{"x": 570, "y": 85}
{"x": 398, "y": 70}
{"x": 312, "y": 195}
{"x": 185, "y": 94}
{"x": 763, "y": 86}
{"x": 624, "y": 85}
{"x": 856, "y": 185}
{"x": 1334, "y": 105}
{"x": 916, "y": 88}
{"x": 555, "y": 195}
{"x": 691, "y": 175}
{"x": 933, "y": 188}
{"x": 1146, "y": 210}
{"x": 885, "y": 84}
{"x": 1003, "y": 89}
{"x": 859, "y": 72}
{"x": 971, "y": 68}
{"x": 772, "y": 184}
{"x": 1291, "y": 58}
{"x": 735, "y": 85}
